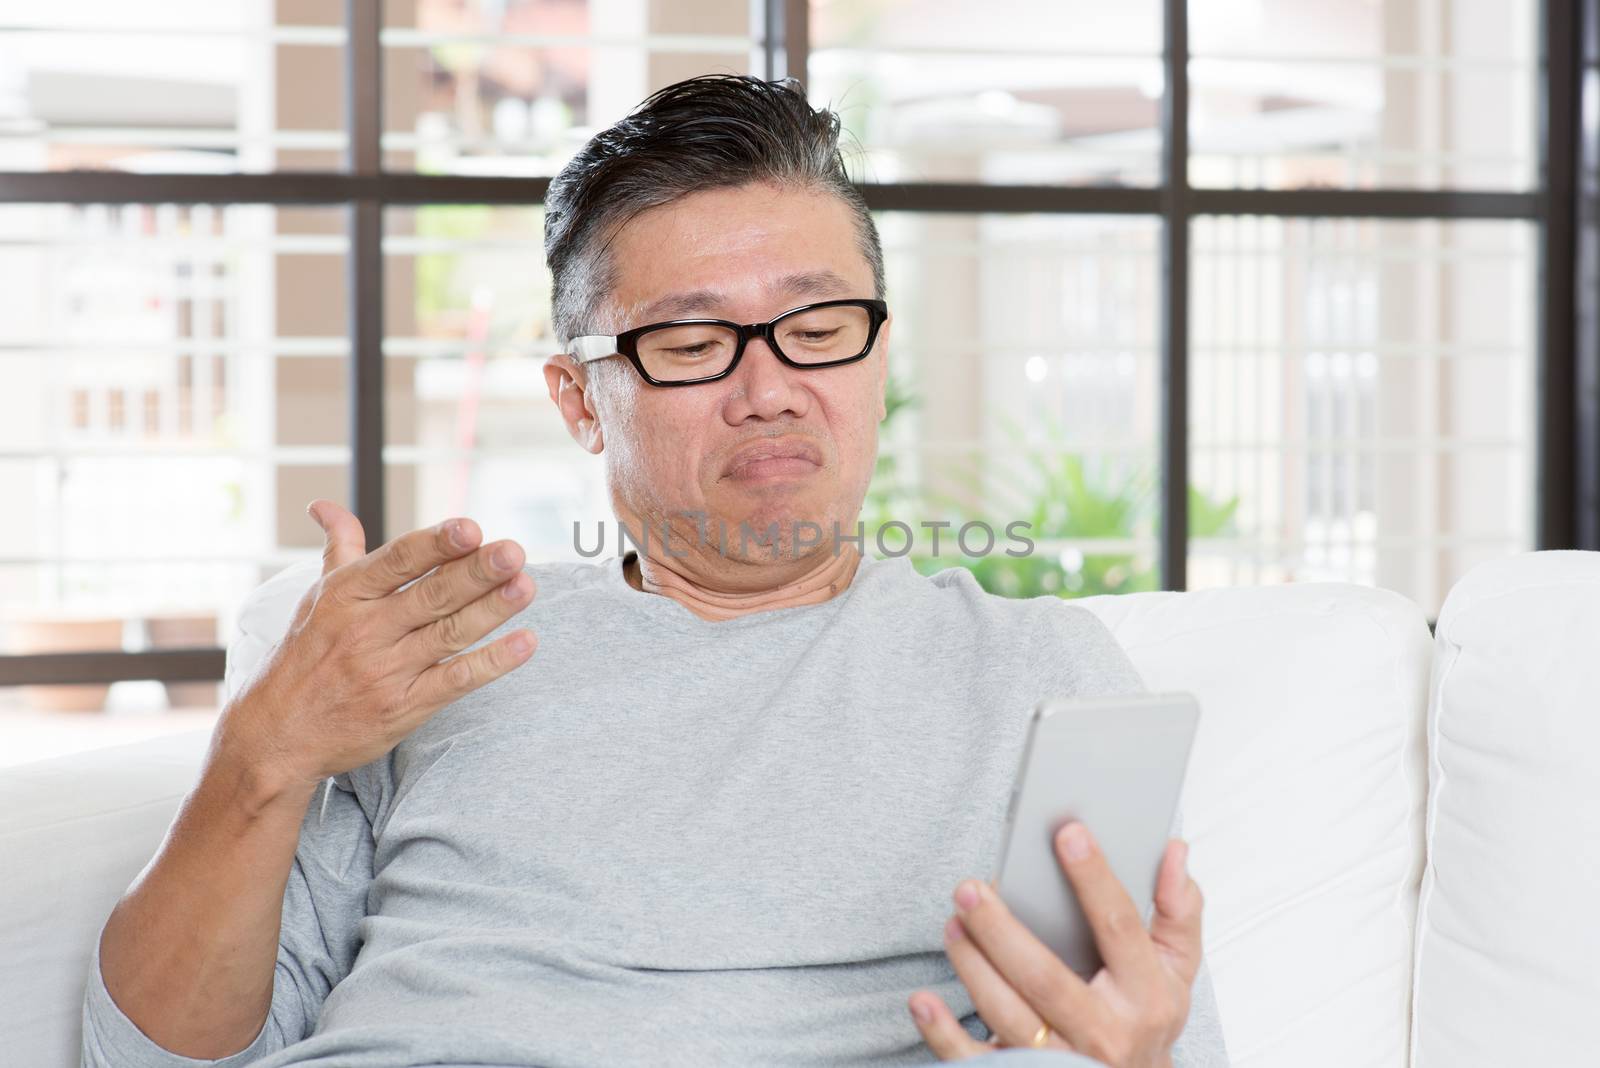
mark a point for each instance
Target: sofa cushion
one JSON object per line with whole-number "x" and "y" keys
{"x": 1303, "y": 806}
{"x": 73, "y": 834}
{"x": 1508, "y": 939}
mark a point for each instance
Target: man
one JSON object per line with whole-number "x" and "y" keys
{"x": 741, "y": 808}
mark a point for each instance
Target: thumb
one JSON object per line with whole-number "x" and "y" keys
{"x": 1175, "y": 923}
{"x": 346, "y": 540}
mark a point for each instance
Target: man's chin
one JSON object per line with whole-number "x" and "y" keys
{"x": 771, "y": 535}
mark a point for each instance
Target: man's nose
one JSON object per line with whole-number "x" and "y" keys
{"x": 764, "y": 386}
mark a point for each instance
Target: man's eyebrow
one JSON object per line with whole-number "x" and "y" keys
{"x": 703, "y": 302}
{"x": 681, "y": 305}
{"x": 811, "y": 284}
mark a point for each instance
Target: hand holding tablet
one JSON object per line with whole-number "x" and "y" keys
{"x": 1089, "y": 939}
{"x": 1114, "y": 764}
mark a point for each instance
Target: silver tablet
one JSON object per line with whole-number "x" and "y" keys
{"x": 1117, "y": 765}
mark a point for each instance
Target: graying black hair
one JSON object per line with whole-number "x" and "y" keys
{"x": 710, "y": 132}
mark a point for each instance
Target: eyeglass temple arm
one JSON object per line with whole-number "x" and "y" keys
{"x": 592, "y": 347}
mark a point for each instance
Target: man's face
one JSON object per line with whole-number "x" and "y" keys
{"x": 769, "y": 443}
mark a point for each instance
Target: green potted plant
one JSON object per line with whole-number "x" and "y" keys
{"x": 1062, "y": 495}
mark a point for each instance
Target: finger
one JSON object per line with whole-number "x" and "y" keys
{"x": 1030, "y": 968}
{"x": 460, "y": 675}
{"x": 461, "y": 628}
{"x": 1119, "y": 930}
{"x": 344, "y": 541}
{"x": 454, "y": 585}
{"x": 942, "y": 1031}
{"x": 1175, "y": 927}
{"x": 1002, "y": 1008}
{"x": 410, "y": 556}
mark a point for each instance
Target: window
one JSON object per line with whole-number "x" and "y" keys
{"x": 466, "y": 344}
{"x": 1256, "y": 292}
{"x": 1026, "y": 352}
{"x": 1363, "y": 389}
{"x": 1390, "y": 94}
{"x": 1063, "y": 92}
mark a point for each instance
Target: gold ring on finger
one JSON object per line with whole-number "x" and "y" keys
{"x": 1041, "y": 1036}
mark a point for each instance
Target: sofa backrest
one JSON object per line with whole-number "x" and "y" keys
{"x": 264, "y": 619}
{"x": 1303, "y": 806}
{"x": 1508, "y": 939}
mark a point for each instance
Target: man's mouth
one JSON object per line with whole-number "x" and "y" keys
{"x": 787, "y": 457}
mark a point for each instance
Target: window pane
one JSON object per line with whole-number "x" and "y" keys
{"x": 1025, "y": 348}
{"x": 471, "y": 429}
{"x": 1362, "y": 400}
{"x": 187, "y": 86}
{"x": 181, "y": 370}
{"x": 509, "y": 88}
{"x": 1394, "y": 93}
{"x": 937, "y": 94}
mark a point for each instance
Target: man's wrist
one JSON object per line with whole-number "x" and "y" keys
{"x": 249, "y": 775}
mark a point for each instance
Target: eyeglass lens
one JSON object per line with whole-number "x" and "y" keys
{"x": 817, "y": 335}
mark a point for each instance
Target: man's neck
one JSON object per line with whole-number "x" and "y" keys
{"x": 830, "y": 577}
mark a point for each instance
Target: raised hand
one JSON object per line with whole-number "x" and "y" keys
{"x": 365, "y": 662}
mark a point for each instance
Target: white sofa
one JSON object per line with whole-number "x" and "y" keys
{"x": 1340, "y": 746}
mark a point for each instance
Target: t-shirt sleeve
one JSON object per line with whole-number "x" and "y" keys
{"x": 324, "y": 902}
{"x": 1201, "y": 1045}
{"x": 1079, "y": 656}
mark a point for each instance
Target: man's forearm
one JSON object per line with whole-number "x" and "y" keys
{"x": 189, "y": 952}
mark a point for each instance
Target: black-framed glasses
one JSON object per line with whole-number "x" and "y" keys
{"x": 684, "y": 352}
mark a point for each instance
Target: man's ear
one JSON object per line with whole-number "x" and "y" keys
{"x": 569, "y": 389}
{"x": 883, "y": 369}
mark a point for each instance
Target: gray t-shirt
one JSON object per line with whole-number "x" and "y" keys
{"x": 668, "y": 841}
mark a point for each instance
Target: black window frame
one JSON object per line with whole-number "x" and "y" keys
{"x": 1565, "y": 207}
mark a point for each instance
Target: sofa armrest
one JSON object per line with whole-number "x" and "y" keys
{"x": 73, "y": 834}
